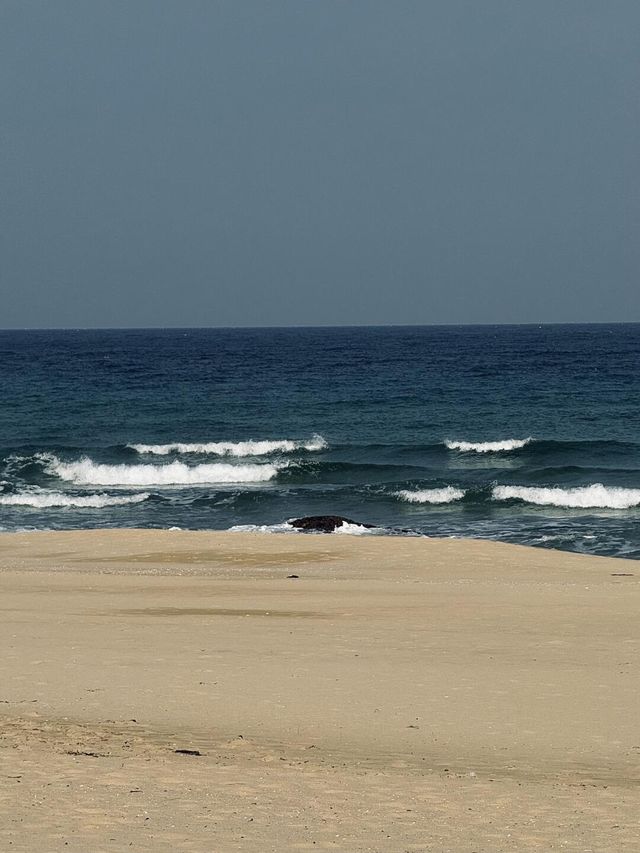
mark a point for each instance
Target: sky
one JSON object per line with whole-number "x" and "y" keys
{"x": 318, "y": 162}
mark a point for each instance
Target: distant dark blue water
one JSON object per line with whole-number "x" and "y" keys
{"x": 525, "y": 434}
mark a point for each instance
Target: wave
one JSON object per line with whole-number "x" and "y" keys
{"x": 350, "y": 473}
{"x": 502, "y": 446}
{"x": 595, "y": 496}
{"x": 88, "y": 473}
{"x": 47, "y": 500}
{"x": 233, "y": 448}
{"x": 446, "y": 495}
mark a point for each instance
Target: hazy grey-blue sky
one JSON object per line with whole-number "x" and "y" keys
{"x": 204, "y": 162}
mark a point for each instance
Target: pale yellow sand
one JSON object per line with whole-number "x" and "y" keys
{"x": 400, "y": 695}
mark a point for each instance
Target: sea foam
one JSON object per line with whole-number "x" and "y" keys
{"x": 595, "y": 496}
{"x": 47, "y": 500}
{"x": 347, "y": 529}
{"x": 502, "y": 446}
{"x": 285, "y": 527}
{"x": 233, "y": 448}
{"x": 88, "y": 473}
{"x": 446, "y": 495}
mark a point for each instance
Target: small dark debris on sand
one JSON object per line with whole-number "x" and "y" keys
{"x": 187, "y": 752}
{"x": 89, "y": 754}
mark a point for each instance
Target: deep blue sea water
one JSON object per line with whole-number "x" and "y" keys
{"x": 525, "y": 434}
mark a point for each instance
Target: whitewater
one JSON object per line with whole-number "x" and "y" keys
{"x": 46, "y": 500}
{"x": 431, "y": 496}
{"x": 232, "y": 448}
{"x": 595, "y": 496}
{"x": 500, "y": 446}
{"x": 85, "y": 472}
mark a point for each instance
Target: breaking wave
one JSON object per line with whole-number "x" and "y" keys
{"x": 501, "y": 446}
{"x": 88, "y": 473}
{"x": 595, "y": 496}
{"x": 47, "y": 500}
{"x": 233, "y": 448}
{"x": 446, "y": 495}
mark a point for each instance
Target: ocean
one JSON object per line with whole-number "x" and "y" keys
{"x": 526, "y": 434}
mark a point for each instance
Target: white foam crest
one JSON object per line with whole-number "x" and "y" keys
{"x": 285, "y": 527}
{"x": 595, "y": 496}
{"x": 232, "y": 448}
{"x": 347, "y": 529}
{"x": 47, "y": 500}
{"x": 501, "y": 446}
{"x": 445, "y": 495}
{"x": 88, "y": 473}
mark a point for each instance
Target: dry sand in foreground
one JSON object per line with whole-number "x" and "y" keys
{"x": 399, "y": 695}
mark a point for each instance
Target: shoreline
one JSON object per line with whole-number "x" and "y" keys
{"x": 385, "y": 533}
{"x": 108, "y": 536}
{"x": 397, "y": 671}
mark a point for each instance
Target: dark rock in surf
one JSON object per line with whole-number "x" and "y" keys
{"x": 324, "y": 523}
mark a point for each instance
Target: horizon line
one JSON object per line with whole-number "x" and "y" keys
{"x": 320, "y": 326}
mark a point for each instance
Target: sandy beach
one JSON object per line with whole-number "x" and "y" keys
{"x": 342, "y": 693}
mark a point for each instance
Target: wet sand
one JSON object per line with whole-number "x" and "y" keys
{"x": 399, "y": 694}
